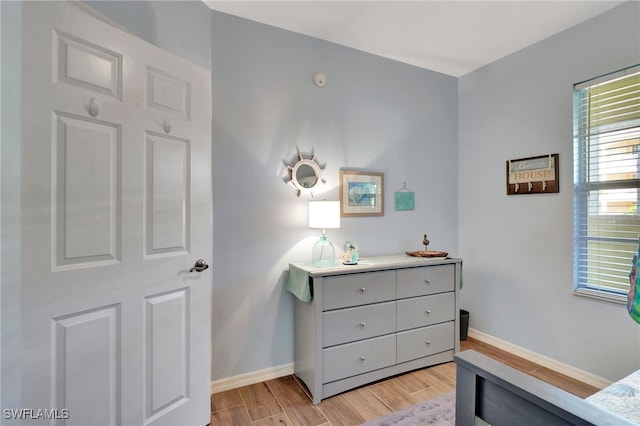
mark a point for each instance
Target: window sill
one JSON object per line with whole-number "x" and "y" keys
{"x": 601, "y": 295}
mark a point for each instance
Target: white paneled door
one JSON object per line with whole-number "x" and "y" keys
{"x": 116, "y": 202}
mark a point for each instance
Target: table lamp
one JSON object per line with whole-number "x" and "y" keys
{"x": 324, "y": 215}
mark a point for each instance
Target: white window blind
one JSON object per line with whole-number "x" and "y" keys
{"x": 606, "y": 182}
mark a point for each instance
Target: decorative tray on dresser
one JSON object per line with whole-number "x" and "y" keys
{"x": 355, "y": 324}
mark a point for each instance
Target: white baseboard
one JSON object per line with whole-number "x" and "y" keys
{"x": 567, "y": 370}
{"x": 287, "y": 369}
{"x": 251, "y": 378}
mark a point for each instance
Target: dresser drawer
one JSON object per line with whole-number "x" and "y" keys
{"x": 356, "y": 358}
{"x": 425, "y": 310}
{"x": 362, "y": 322}
{"x": 425, "y": 341}
{"x": 425, "y": 280}
{"x": 341, "y": 291}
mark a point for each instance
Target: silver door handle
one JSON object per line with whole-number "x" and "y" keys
{"x": 199, "y": 266}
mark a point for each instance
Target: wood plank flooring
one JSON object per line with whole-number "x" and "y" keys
{"x": 285, "y": 401}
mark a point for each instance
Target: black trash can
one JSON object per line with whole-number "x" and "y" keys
{"x": 464, "y": 324}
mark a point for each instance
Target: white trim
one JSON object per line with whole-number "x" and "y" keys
{"x": 251, "y": 378}
{"x": 557, "y": 366}
{"x": 601, "y": 295}
{"x": 260, "y": 376}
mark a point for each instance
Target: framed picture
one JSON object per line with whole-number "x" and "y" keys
{"x": 533, "y": 175}
{"x": 361, "y": 193}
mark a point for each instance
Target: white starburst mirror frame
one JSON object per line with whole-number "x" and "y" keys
{"x": 305, "y": 174}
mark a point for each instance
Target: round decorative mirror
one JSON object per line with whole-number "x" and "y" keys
{"x": 304, "y": 173}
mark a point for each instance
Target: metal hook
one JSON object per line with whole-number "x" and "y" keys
{"x": 166, "y": 125}
{"x": 94, "y": 107}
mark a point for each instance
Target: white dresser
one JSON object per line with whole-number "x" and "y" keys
{"x": 385, "y": 316}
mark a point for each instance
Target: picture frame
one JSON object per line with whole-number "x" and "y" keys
{"x": 533, "y": 175}
{"x": 361, "y": 193}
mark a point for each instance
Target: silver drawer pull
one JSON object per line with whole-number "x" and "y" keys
{"x": 428, "y": 311}
{"x": 362, "y": 324}
{"x": 362, "y": 358}
{"x": 427, "y": 281}
{"x": 362, "y": 289}
{"x": 428, "y": 342}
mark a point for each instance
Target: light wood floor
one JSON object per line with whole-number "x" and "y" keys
{"x": 285, "y": 401}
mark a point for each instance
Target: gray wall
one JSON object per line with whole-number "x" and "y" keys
{"x": 374, "y": 114}
{"x": 518, "y": 250}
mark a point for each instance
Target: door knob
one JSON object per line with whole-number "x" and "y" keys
{"x": 199, "y": 266}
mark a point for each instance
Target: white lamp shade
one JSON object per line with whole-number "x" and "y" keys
{"x": 324, "y": 214}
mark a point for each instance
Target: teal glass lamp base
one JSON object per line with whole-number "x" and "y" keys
{"x": 323, "y": 253}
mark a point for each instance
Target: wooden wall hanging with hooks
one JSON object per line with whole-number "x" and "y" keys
{"x": 533, "y": 175}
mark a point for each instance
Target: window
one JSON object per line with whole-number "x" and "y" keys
{"x": 606, "y": 182}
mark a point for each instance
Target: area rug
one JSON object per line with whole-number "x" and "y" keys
{"x": 438, "y": 411}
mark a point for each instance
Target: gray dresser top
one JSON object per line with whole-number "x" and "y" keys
{"x": 374, "y": 263}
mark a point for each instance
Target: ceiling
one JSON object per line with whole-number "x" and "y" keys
{"x": 451, "y": 37}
